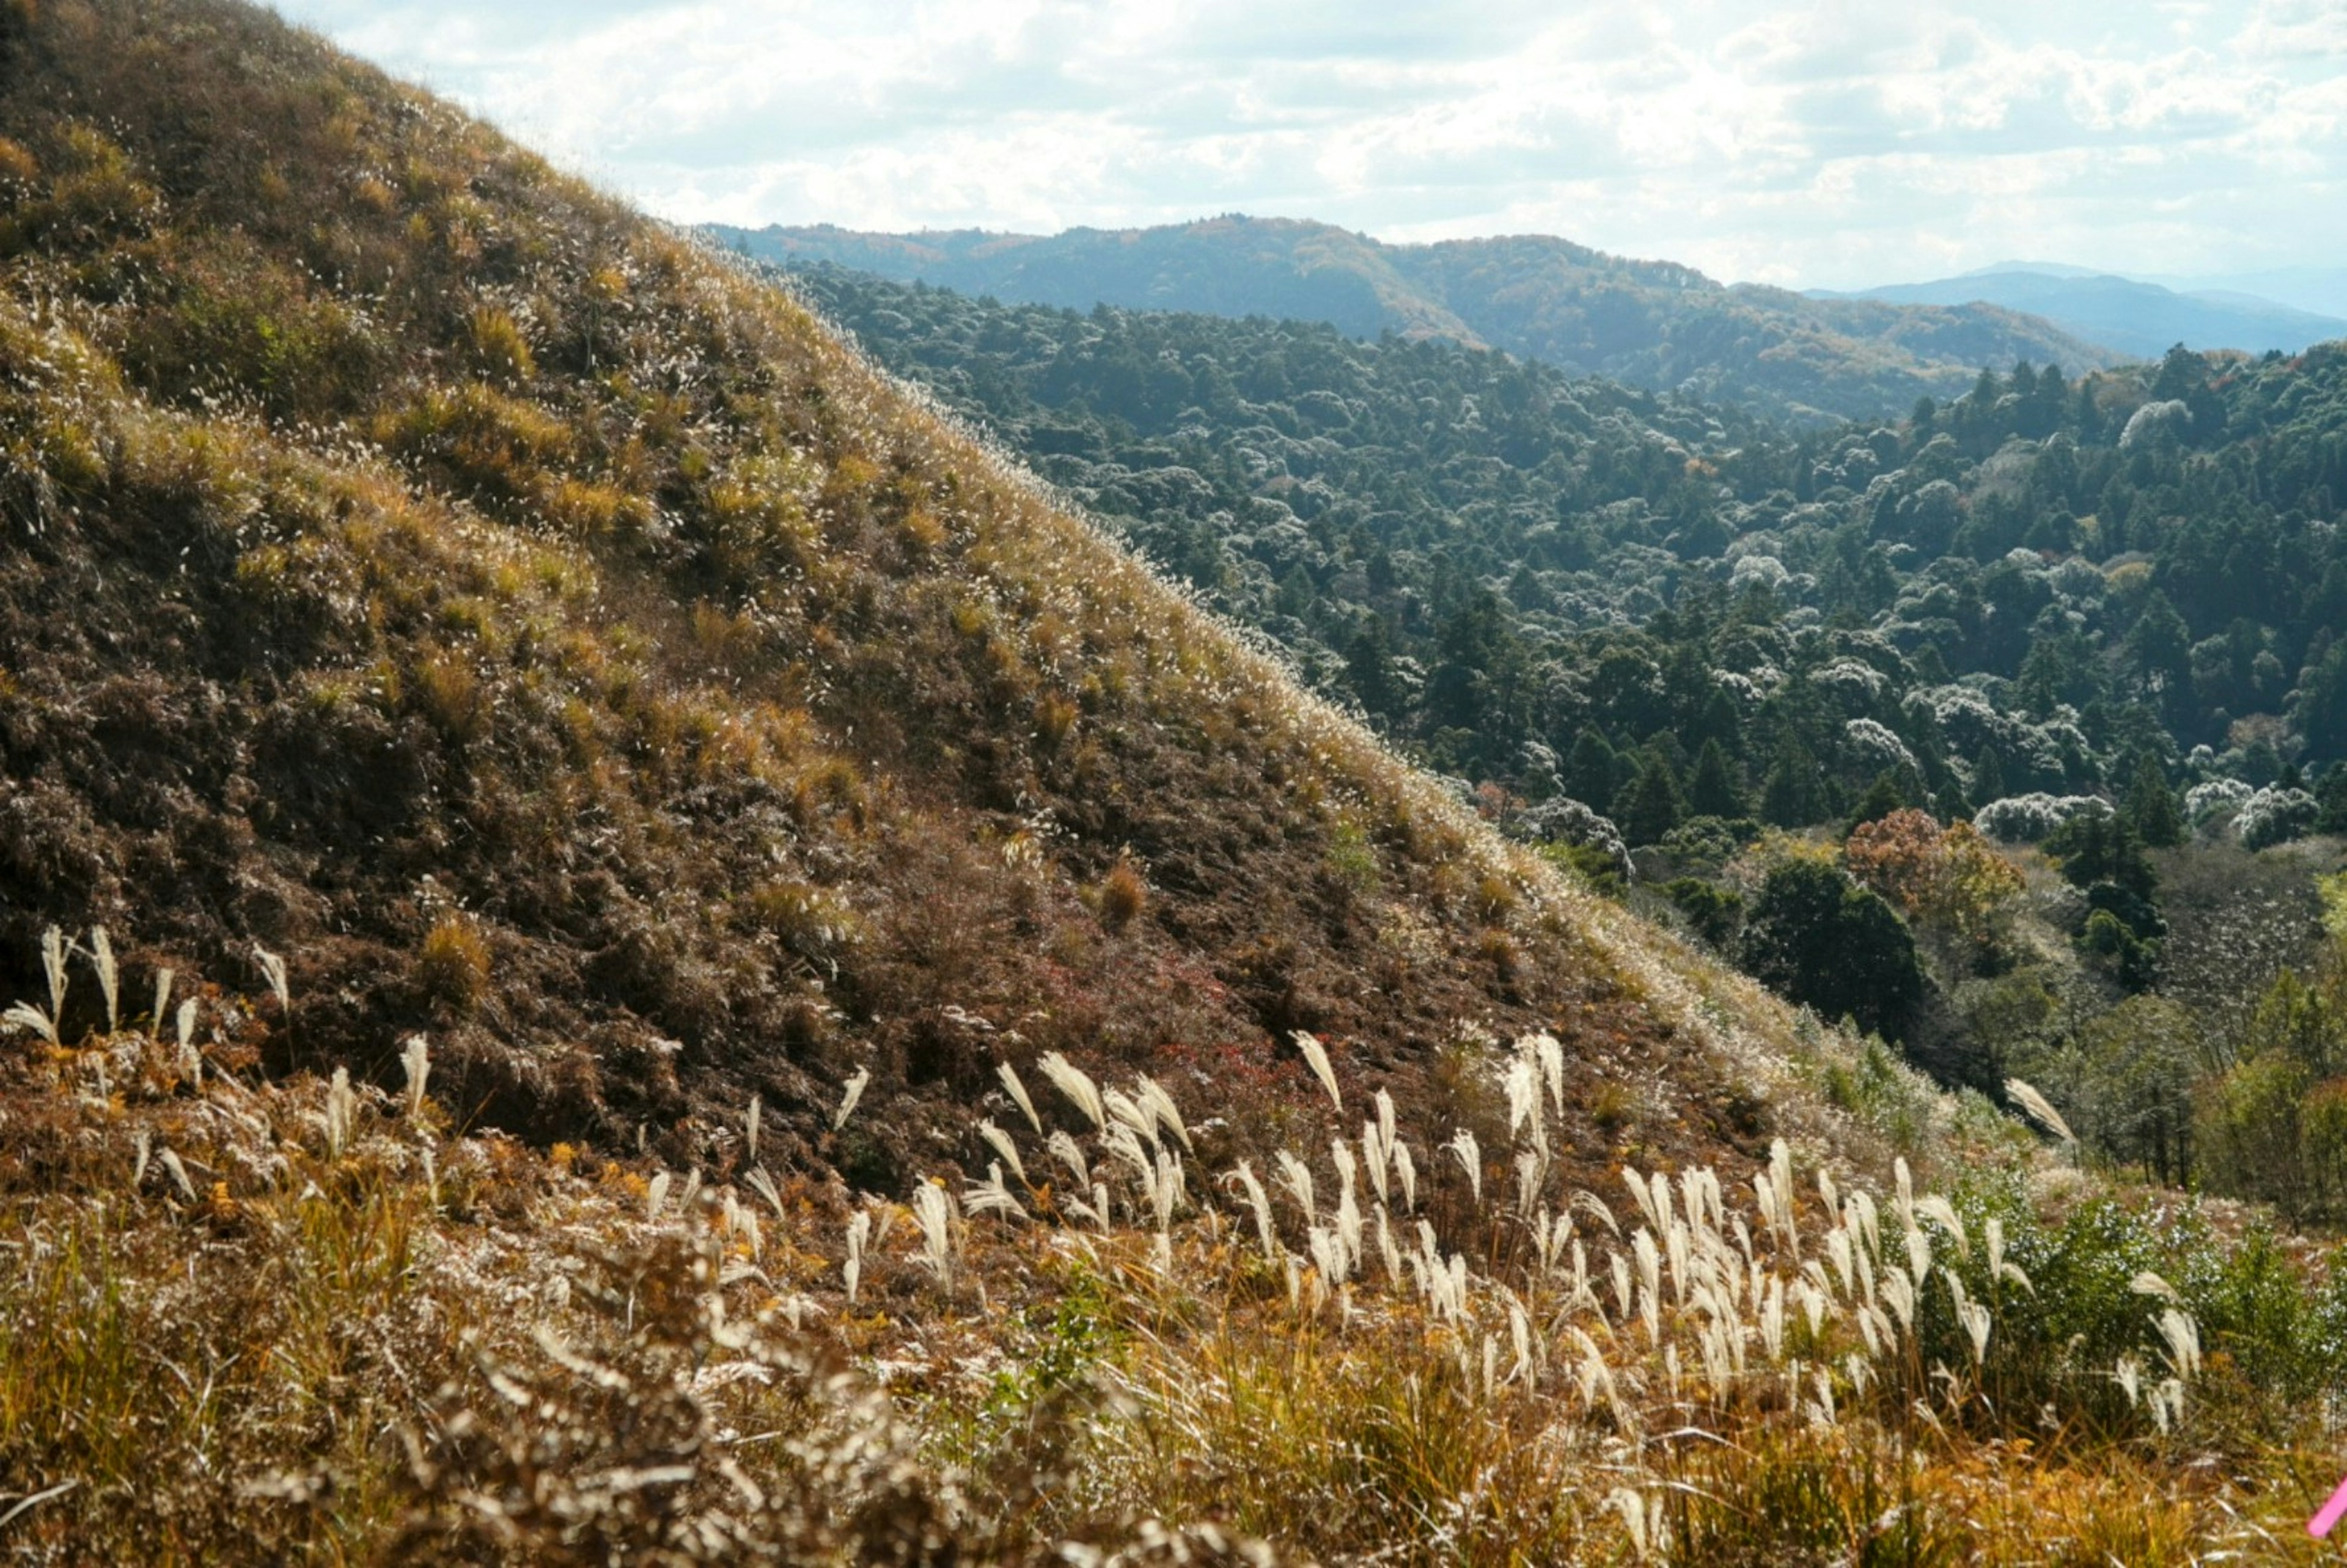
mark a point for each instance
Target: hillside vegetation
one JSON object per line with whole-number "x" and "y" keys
{"x": 623, "y": 947}
{"x": 2113, "y": 600}
{"x": 1652, "y": 325}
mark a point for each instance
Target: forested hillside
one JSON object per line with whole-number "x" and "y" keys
{"x": 2096, "y": 617}
{"x": 1652, "y": 325}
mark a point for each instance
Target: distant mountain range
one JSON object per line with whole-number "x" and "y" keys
{"x": 2128, "y": 314}
{"x": 1652, "y": 325}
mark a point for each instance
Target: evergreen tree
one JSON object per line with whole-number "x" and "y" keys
{"x": 1591, "y": 770}
{"x": 1369, "y": 666}
{"x": 1820, "y": 938}
{"x": 1793, "y": 796}
{"x": 1714, "y": 791}
{"x": 1883, "y": 797}
{"x": 1651, "y": 805}
{"x": 2152, "y": 809}
{"x": 1988, "y": 777}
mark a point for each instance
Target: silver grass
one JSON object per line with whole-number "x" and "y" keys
{"x": 1077, "y": 1085}
{"x": 1017, "y": 1092}
{"x": 2039, "y": 1109}
{"x": 855, "y": 1093}
{"x": 1316, "y": 1056}
{"x": 1001, "y": 1142}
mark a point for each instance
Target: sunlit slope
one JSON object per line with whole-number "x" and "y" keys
{"x": 553, "y": 642}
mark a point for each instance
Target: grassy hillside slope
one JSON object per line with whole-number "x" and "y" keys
{"x": 460, "y": 640}
{"x": 552, "y": 642}
{"x": 1653, "y": 324}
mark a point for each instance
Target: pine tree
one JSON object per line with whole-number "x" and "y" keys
{"x": 1793, "y": 795}
{"x": 1591, "y": 770}
{"x": 1715, "y": 792}
{"x": 1652, "y": 803}
{"x": 1988, "y": 777}
{"x": 1883, "y": 797}
{"x": 2152, "y": 809}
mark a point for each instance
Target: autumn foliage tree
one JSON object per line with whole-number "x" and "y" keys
{"x": 1949, "y": 882}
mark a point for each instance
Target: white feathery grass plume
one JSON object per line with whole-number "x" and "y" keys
{"x": 1470, "y": 1159}
{"x": 854, "y": 1091}
{"x": 860, "y": 1231}
{"x": 1065, "y": 1150}
{"x": 1160, "y": 1104}
{"x": 415, "y": 1061}
{"x": 1813, "y": 1305}
{"x": 183, "y": 1024}
{"x": 1919, "y": 1254}
{"x": 1297, "y": 1176}
{"x": 2038, "y": 1109}
{"x": 749, "y": 1128}
{"x": 178, "y": 1175}
{"x": 1076, "y": 1084}
{"x": 991, "y": 1196}
{"x": 1123, "y": 1141}
{"x": 1374, "y": 1158}
{"x": 109, "y": 979}
{"x": 1644, "y": 1195}
{"x": 1772, "y": 1319}
{"x": 656, "y": 1196}
{"x": 2149, "y": 1283}
{"x": 1650, "y": 1283}
{"x": 25, "y": 1015}
{"x": 53, "y": 965}
{"x": 1903, "y": 1189}
{"x": 272, "y": 968}
{"x": 1828, "y": 1195}
{"x": 145, "y": 1146}
{"x": 1170, "y": 1190}
{"x": 1316, "y": 1056}
{"x": 2183, "y": 1336}
{"x": 1386, "y": 1248}
{"x": 934, "y": 1210}
{"x": 1522, "y": 1086}
{"x": 1017, "y": 1092}
{"x": 1406, "y": 1172}
{"x": 692, "y": 1191}
{"x": 1898, "y": 1292}
{"x": 164, "y": 977}
{"x": 1128, "y": 1114}
{"x": 1625, "y": 1294}
{"x": 1260, "y": 1202}
{"x": 2128, "y": 1376}
{"x": 1588, "y": 1203}
{"x": 340, "y": 1114}
{"x": 1550, "y": 1053}
{"x": 1001, "y": 1142}
{"x": 764, "y": 1186}
{"x": 1328, "y": 1251}
{"x": 1387, "y": 1139}
{"x": 1530, "y": 1170}
{"x": 1976, "y": 1319}
{"x": 1942, "y": 1212}
{"x": 1101, "y": 1211}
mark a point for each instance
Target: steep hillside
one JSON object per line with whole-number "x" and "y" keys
{"x": 1653, "y": 324}
{"x": 550, "y": 641}
{"x": 2125, "y": 314}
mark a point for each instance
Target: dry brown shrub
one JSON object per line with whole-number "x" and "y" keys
{"x": 1122, "y": 897}
{"x": 453, "y": 965}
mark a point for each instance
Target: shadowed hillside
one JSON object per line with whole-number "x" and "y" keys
{"x": 1653, "y": 324}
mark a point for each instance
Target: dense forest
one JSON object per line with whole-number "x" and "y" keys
{"x": 1653, "y": 324}
{"x": 1968, "y": 726}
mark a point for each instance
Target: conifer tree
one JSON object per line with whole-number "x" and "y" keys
{"x": 1652, "y": 803}
{"x": 2152, "y": 809}
{"x": 1714, "y": 791}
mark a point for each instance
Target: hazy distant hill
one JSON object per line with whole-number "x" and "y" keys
{"x": 1654, "y": 324}
{"x": 2125, "y": 314}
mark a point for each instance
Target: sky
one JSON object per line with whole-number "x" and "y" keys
{"x": 1829, "y": 145}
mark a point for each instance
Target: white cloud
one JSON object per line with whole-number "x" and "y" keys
{"x": 1837, "y": 143}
